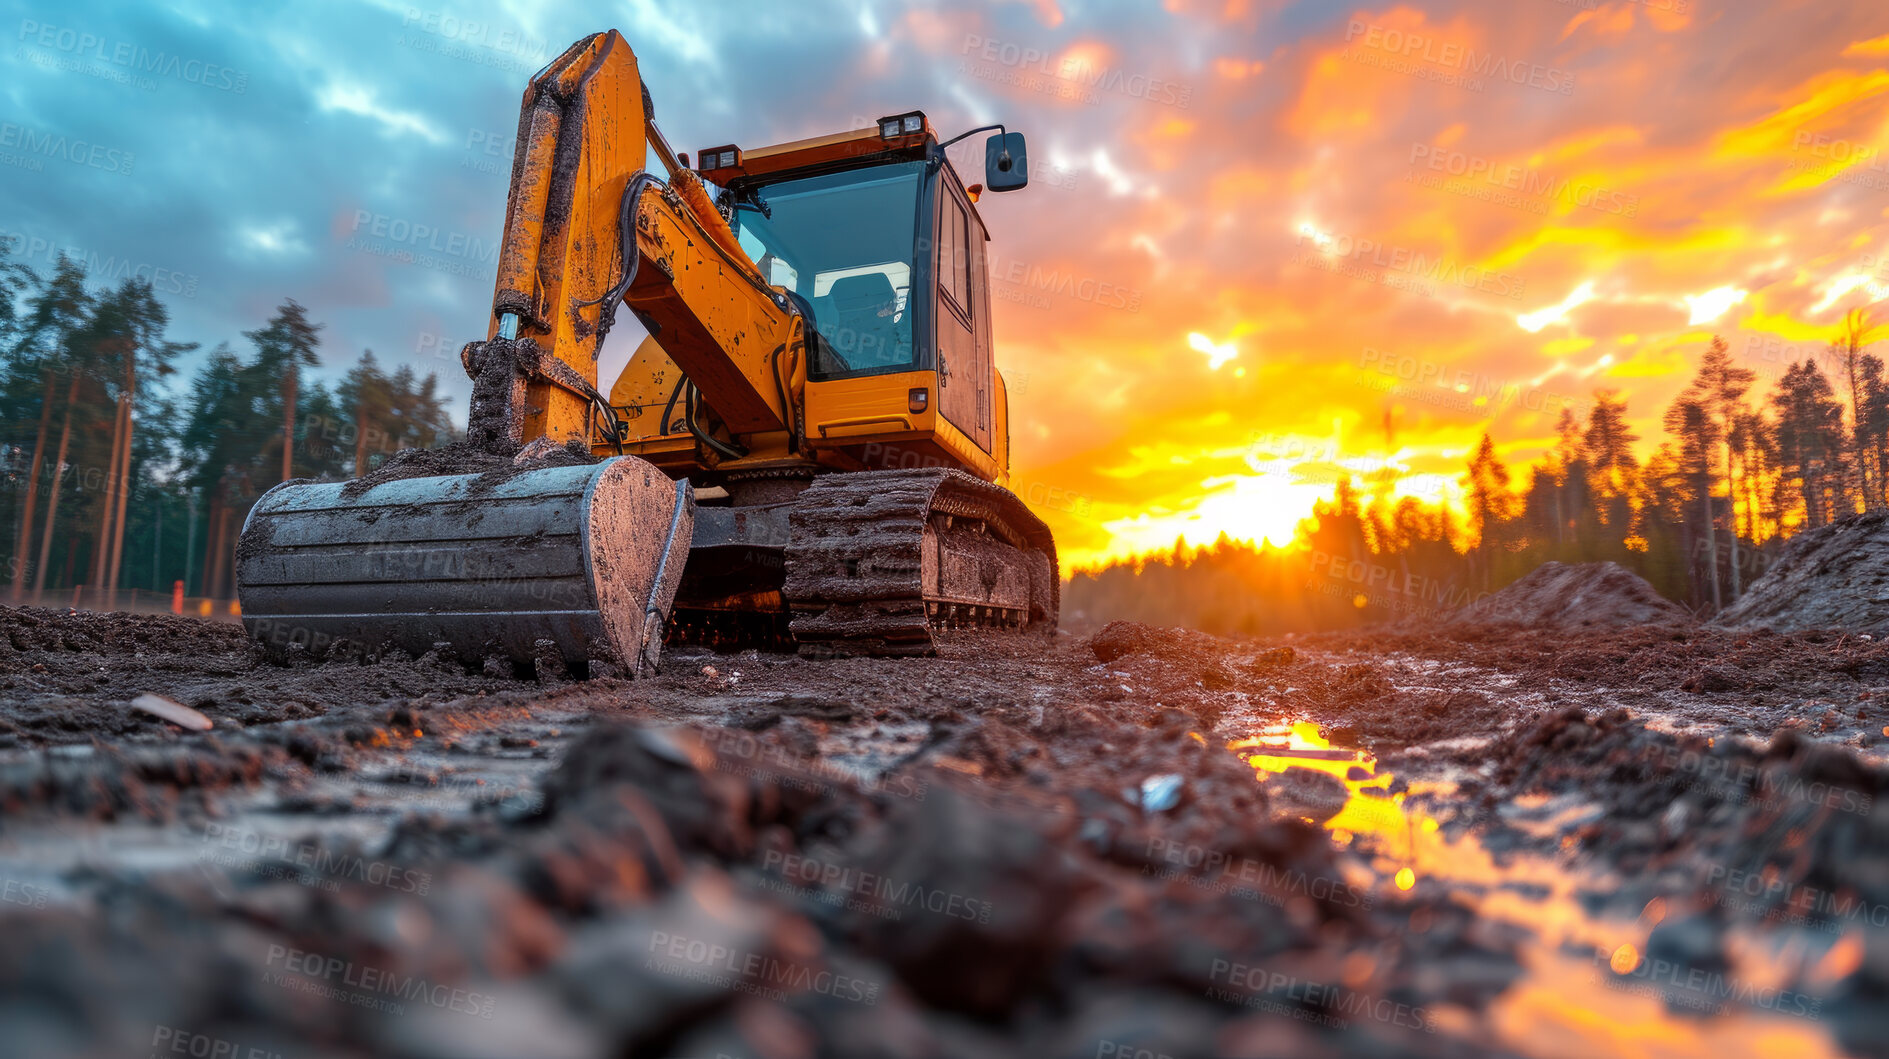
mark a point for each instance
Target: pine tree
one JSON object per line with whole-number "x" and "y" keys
{"x": 1689, "y": 419}
{"x": 1809, "y": 439}
{"x": 1871, "y": 426}
{"x": 56, "y": 320}
{"x": 126, "y": 332}
{"x": 1855, "y": 334}
{"x": 283, "y": 349}
{"x": 1610, "y": 465}
{"x": 1704, "y": 418}
{"x": 1491, "y": 508}
{"x": 1568, "y": 463}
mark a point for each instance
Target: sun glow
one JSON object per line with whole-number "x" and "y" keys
{"x": 1249, "y": 507}
{"x": 1217, "y": 353}
{"x": 1712, "y": 304}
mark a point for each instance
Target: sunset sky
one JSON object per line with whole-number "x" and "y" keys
{"x": 1266, "y": 244}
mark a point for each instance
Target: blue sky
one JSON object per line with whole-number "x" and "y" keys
{"x": 242, "y": 153}
{"x": 1267, "y": 243}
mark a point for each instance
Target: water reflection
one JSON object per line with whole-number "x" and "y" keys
{"x": 1616, "y": 1001}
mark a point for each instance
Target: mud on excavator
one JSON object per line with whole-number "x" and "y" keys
{"x": 809, "y": 449}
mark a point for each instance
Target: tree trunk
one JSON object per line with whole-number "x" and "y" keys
{"x": 1808, "y": 485}
{"x": 288, "y": 422}
{"x": 124, "y": 483}
{"x": 360, "y": 434}
{"x": 190, "y": 539}
{"x": 1711, "y": 541}
{"x": 52, "y": 497}
{"x": 24, "y": 540}
{"x": 226, "y": 555}
{"x": 1731, "y": 498}
{"x": 1851, "y": 349}
{"x": 101, "y": 554}
{"x": 157, "y": 541}
{"x": 213, "y": 530}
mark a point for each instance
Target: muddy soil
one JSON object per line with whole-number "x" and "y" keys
{"x": 1469, "y": 841}
{"x": 1836, "y": 575}
{"x": 1575, "y": 595}
{"x": 494, "y": 468}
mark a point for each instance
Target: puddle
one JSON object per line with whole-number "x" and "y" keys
{"x": 1588, "y": 988}
{"x": 271, "y": 832}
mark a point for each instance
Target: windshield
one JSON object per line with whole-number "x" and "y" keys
{"x": 842, "y": 242}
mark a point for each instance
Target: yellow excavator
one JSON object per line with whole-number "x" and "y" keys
{"x": 808, "y": 451}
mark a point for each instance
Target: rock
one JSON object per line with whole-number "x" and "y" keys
{"x": 169, "y": 710}
{"x": 1307, "y": 792}
{"x": 1160, "y": 793}
{"x": 990, "y": 888}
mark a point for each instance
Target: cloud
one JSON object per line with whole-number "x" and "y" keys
{"x": 1609, "y": 188}
{"x": 358, "y": 99}
{"x": 1557, "y": 314}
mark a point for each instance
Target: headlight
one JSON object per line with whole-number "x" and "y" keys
{"x": 902, "y": 125}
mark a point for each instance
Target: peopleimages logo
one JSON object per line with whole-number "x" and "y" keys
{"x": 1480, "y": 177}
{"x": 1356, "y": 258}
{"x": 362, "y": 985}
{"x": 1072, "y": 76}
{"x": 1309, "y": 1000}
{"x": 82, "y": 44}
{"x": 32, "y": 145}
{"x": 1434, "y": 381}
{"x": 1460, "y": 59}
{"x": 405, "y": 233}
{"x": 873, "y": 887}
{"x": 756, "y": 973}
{"x": 106, "y": 268}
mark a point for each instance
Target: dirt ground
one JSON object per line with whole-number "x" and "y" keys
{"x": 1478, "y": 839}
{"x": 1835, "y": 575}
{"x": 1580, "y": 595}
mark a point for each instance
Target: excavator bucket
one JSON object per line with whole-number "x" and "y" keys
{"x": 576, "y": 564}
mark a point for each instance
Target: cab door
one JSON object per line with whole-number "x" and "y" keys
{"x": 963, "y": 316}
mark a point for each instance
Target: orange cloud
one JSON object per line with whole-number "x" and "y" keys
{"x": 1633, "y": 206}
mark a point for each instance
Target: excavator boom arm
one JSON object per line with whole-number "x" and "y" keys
{"x": 585, "y": 227}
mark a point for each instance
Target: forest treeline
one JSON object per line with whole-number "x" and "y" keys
{"x": 112, "y": 480}
{"x": 1735, "y": 472}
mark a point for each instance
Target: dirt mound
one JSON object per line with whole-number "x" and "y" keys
{"x": 1121, "y": 638}
{"x": 1834, "y": 577}
{"x": 1581, "y": 595}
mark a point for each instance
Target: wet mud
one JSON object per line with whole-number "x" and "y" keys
{"x": 1481, "y": 839}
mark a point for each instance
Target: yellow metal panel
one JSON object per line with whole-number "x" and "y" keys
{"x": 714, "y": 317}
{"x": 642, "y": 391}
{"x": 560, "y": 250}
{"x": 869, "y": 418}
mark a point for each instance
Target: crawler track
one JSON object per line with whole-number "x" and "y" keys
{"x": 880, "y": 559}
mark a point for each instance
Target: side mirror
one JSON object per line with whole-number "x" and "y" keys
{"x": 1006, "y": 162}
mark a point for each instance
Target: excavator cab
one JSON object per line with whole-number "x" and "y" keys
{"x": 877, "y": 241}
